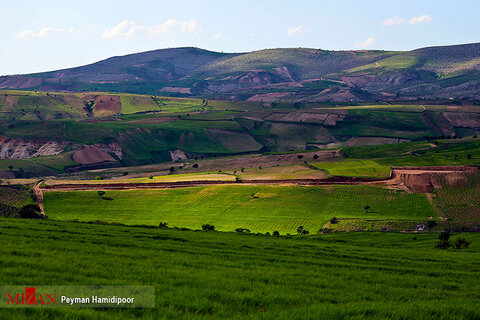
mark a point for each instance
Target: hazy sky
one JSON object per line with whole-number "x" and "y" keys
{"x": 48, "y": 34}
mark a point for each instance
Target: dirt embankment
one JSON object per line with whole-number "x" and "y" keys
{"x": 11, "y": 148}
{"x": 426, "y": 179}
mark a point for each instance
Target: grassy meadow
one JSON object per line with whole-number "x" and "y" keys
{"x": 218, "y": 275}
{"x": 228, "y": 207}
{"x": 360, "y": 168}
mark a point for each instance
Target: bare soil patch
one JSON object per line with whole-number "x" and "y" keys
{"x": 90, "y": 155}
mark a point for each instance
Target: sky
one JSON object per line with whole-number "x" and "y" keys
{"x": 46, "y": 35}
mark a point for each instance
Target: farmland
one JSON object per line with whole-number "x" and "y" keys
{"x": 224, "y": 275}
{"x": 361, "y": 168}
{"x": 258, "y": 208}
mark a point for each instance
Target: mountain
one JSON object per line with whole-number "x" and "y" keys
{"x": 295, "y": 74}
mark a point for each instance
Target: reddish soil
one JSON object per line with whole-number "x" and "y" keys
{"x": 109, "y": 104}
{"x": 90, "y": 155}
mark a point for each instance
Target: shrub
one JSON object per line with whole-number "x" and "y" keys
{"x": 150, "y": 177}
{"x": 315, "y": 157}
{"x": 242, "y": 230}
{"x": 195, "y": 165}
{"x": 443, "y": 242}
{"x": 431, "y": 224}
{"x": 208, "y": 227}
{"x": 444, "y": 236}
{"x": 461, "y": 243}
{"x": 302, "y": 230}
{"x": 333, "y": 220}
{"x": 30, "y": 211}
{"x": 300, "y": 156}
{"x": 275, "y": 233}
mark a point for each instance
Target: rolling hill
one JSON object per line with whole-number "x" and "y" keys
{"x": 295, "y": 74}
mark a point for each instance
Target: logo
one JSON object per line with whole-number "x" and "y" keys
{"x": 31, "y": 297}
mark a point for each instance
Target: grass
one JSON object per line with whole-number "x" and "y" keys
{"x": 201, "y": 176}
{"x": 258, "y": 208}
{"x": 461, "y": 201}
{"x": 355, "y": 168}
{"x": 237, "y": 276}
{"x": 280, "y": 173}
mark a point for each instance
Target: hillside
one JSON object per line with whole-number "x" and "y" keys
{"x": 45, "y": 133}
{"x": 296, "y": 74}
{"x": 217, "y": 275}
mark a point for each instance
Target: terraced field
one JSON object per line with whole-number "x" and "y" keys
{"x": 360, "y": 168}
{"x": 461, "y": 201}
{"x": 12, "y": 198}
{"x": 258, "y": 208}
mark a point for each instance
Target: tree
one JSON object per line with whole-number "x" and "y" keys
{"x": 208, "y": 227}
{"x": 172, "y": 169}
{"x": 150, "y": 177}
{"x": 461, "y": 243}
{"x": 443, "y": 242}
{"x": 10, "y": 167}
{"x": 300, "y": 156}
{"x": 333, "y": 220}
{"x": 163, "y": 225}
{"x": 431, "y": 224}
{"x": 469, "y": 156}
{"x": 367, "y": 207}
{"x": 302, "y": 230}
{"x": 276, "y": 233}
{"x": 195, "y": 165}
{"x": 31, "y": 211}
{"x": 315, "y": 156}
{"x": 101, "y": 193}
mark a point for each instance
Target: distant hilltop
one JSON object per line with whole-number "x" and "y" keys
{"x": 296, "y": 74}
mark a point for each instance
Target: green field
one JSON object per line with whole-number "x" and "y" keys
{"x": 258, "y": 208}
{"x": 12, "y": 198}
{"x": 238, "y": 276}
{"x": 360, "y": 168}
{"x": 461, "y": 201}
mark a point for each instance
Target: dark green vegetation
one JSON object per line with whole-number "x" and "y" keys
{"x": 13, "y": 198}
{"x": 258, "y": 208}
{"x": 432, "y": 153}
{"x": 446, "y": 72}
{"x": 215, "y": 275}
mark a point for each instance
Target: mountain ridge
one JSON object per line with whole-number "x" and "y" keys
{"x": 293, "y": 74}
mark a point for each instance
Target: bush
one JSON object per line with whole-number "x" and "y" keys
{"x": 431, "y": 224}
{"x": 242, "y": 230}
{"x": 275, "y": 233}
{"x": 150, "y": 177}
{"x": 163, "y": 225}
{"x": 195, "y": 166}
{"x": 31, "y": 211}
{"x": 461, "y": 243}
{"x": 333, "y": 220}
{"x": 101, "y": 193}
{"x": 442, "y": 245}
{"x": 443, "y": 242}
{"x": 302, "y": 230}
{"x": 208, "y": 227}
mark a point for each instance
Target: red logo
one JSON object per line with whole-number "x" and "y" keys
{"x": 31, "y": 297}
